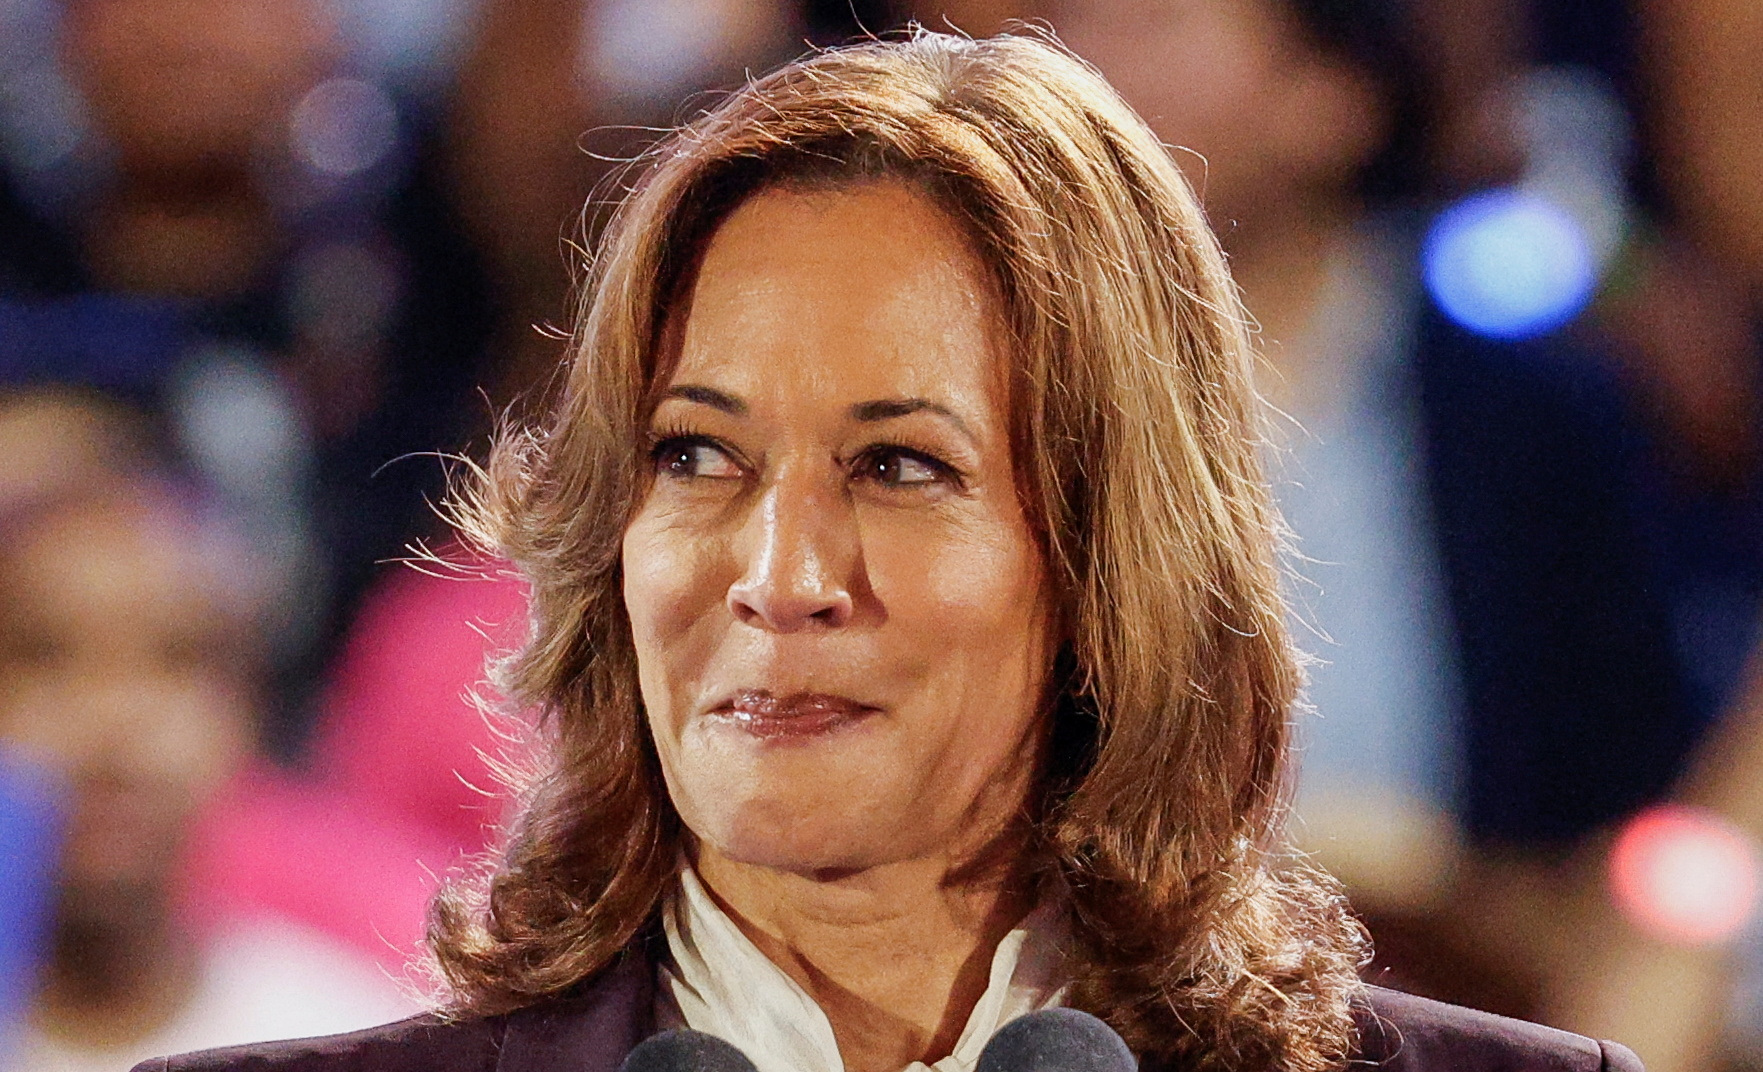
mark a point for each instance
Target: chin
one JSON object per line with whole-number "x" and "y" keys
{"x": 800, "y": 839}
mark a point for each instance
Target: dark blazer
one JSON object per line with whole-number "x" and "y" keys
{"x": 592, "y": 1029}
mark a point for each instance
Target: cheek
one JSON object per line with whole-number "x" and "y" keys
{"x": 660, "y": 575}
{"x": 671, "y": 592}
{"x": 976, "y": 578}
{"x": 207, "y": 739}
{"x": 967, "y": 605}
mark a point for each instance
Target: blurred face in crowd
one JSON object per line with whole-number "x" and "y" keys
{"x": 1236, "y": 82}
{"x": 117, "y": 669}
{"x": 56, "y": 439}
{"x": 178, "y": 85}
{"x": 837, "y": 602}
{"x": 1701, "y": 59}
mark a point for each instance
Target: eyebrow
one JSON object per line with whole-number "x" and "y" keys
{"x": 883, "y": 409}
{"x": 889, "y": 408}
{"x": 707, "y": 396}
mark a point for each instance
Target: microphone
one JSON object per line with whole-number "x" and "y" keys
{"x": 1052, "y": 1040}
{"x": 686, "y": 1050}
{"x": 1056, "y": 1040}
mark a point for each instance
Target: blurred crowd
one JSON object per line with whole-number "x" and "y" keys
{"x": 268, "y": 266}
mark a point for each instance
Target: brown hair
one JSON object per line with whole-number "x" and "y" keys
{"x": 1201, "y": 939}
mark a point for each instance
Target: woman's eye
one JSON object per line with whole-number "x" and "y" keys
{"x": 694, "y": 457}
{"x": 903, "y": 468}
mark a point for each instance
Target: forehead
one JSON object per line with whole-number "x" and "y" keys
{"x": 869, "y": 291}
{"x": 103, "y": 566}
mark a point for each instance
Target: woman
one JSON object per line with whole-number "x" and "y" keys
{"x": 905, "y": 618}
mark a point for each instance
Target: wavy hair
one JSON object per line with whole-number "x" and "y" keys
{"x": 1200, "y": 936}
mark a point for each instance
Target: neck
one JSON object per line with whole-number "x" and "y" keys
{"x": 895, "y": 955}
{"x": 120, "y": 968}
{"x": 1281, "y": 262}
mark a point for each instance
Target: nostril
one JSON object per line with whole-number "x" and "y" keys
{"x": 792, "y": 581}
{"x": 789, "y": 612}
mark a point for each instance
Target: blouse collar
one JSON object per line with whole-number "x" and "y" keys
{"x": 719, "y": 982}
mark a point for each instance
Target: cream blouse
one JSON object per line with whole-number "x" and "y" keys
{"x": 720, "y": 983}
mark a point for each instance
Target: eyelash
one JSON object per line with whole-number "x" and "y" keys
{"x": 868, "y": 458}
{"x": 674, "y": 440}
{"x": 674, "y": 443}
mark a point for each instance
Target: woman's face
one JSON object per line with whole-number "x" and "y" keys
{"x": 838, "y": 606}
{"x": 1266, "y": 114}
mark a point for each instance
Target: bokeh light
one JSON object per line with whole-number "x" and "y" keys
{"x": 1684, "y": 875}
{"x": 1508, "y": 264}
{"x": 344, "y": 126}
{"x": 30, "y": 828}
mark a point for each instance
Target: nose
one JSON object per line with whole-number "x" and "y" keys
{"x": 802, "y": 554}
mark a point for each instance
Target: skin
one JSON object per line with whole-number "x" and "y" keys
{"x": 57, "y": 438}
{"x": 794, "y": 541}
{"x": 1271, "y": 130}
{"x": 1702, "y": 58}
{"x": 1686, "y": 326}
{"x": 191, "y": 97}
{"x": 1271, "y": 118}
{"x": 116, "y": 672}
{"x": 525, "y": 95}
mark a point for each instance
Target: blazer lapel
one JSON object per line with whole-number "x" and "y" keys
{"x": 590, "y": 1031}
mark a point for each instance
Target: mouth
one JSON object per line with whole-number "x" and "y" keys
{"x": 799, "y": 715}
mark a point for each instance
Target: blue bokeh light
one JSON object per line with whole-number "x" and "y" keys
{"x": 32, "y": 801}
{"x": 1508, "y": 264}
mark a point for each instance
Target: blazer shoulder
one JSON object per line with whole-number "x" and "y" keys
{"x": 424, "y": 1043}
{"x": 1402, "y": 1033}
{"x": 588, "y": 1028}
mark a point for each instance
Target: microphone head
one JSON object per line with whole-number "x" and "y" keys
{"x": 1056, "y": 1040}
{"x": 685, "y": 1051}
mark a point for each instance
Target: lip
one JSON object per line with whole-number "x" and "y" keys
{"x": 799, "y": 715}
